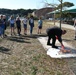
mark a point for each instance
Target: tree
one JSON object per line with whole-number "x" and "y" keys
{"x": 65, "y": 5}
{"x": 59, "y": 7}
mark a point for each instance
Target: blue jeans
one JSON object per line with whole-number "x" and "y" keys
{"x": 1, "y": 31}
{"x": 31, "y": 29}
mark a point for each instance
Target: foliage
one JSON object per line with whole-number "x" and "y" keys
{"x": 15, "y": 12}
{"x": 65, "y": 4}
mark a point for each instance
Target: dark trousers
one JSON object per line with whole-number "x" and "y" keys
{"x": 18, "y": 29}
{"x": 53, "y": 40}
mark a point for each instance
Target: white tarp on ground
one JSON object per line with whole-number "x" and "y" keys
{"x": 55, "y": 53}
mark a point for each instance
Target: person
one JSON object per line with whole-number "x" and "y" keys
{"x": 24, "y": 21}
{"x": 18, "y": 24}
{"x": 5, "y": 24}
{"x": 12, "y": 23}
{"x": 74, "y": 22}
{"x": 31, "y": 23}
{"x": 2, "y": 26}
{"x": 39, "y": 25}
{"x": 54, "y": 33}
{"x": 75, "y": 27}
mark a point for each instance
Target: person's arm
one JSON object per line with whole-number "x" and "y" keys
{"x": 29, "y": 21}
{"x": 62, "y": 46}
{"x": 60, "y": 40}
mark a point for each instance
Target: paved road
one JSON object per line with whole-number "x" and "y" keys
{"x": 65, "y": 25}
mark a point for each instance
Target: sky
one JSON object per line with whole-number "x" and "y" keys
{"x": 29, "y": 4}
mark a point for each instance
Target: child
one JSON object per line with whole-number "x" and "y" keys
{"x": 31, "y": 23}
{"x": 2, "y": 26}
{"x": 18, "y": 24}
{"x": 39, "y": 25}
{"x": 12, "y": 23}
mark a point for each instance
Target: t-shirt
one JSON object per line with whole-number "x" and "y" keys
{"x": 12, "y": 21}
{"x": 25, "y": 21}
{"x": 39, "y": 22}
{"x": 18, "y": 22}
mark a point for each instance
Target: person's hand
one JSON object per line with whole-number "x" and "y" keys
{"x": 62, "y": 46}
{"x": 74, "y": 25}
{"x": 56, "y": 37}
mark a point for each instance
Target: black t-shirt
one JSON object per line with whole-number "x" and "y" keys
{"x": 18, "y": 22}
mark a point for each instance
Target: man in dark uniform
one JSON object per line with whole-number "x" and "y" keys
{"x": 52, "y": 34}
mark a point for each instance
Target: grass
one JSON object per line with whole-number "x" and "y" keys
{"x": 28, "y": 57}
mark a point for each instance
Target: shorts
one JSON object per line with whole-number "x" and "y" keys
{"x": 12, "y": 25}
{"x": 25, "y": 25}
{"x": 40, "y": 27}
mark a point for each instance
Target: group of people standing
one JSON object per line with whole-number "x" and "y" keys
{"x": 12, "y": 21}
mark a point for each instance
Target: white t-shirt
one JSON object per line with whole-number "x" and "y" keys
{"x": 12, "y": 21}
{"x": 24, "y": 21}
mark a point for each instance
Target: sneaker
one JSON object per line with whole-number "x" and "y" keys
{"x": 2, "y": 36}
{"x": 55, "y": 47}
{"x": 25, "y": 33}
{"x": 49, "y": 44}
{"x": 5, "y": 35}
{"x": 37, "y": 32}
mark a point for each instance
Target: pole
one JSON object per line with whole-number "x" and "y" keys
{"x": 60, "y": 14}
{"x": 75, "y": 32}
{"x": 54, "y": 12}
{"x": 54, "y": 18}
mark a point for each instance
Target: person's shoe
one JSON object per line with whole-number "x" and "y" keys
{"x": 37, "y": 32}
{"x": 11, "y": 34}
{"x": 5, "y": 35}
{"x": 19, "y": 34}
{"x": 55, "y": 47}
{"x": 25, "y": 33}
{"x": 49, "y": 44}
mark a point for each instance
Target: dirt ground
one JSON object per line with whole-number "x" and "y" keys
{"x": 25, "y": 55}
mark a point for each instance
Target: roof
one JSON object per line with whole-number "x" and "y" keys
{"x": 67, "y": 11}
{"x": 71, "y": 11}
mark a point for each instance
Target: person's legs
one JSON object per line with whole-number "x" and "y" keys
{"x": 38, "y": 30}
{"x": 11, "y": 30}
{"x": 18, "y": 30}
{"x": 31, "y": 29}
{"x": 53, "y": 42}
{"x": 2, "y": 32}
{"x": 25, "y": 29}
{"x": 48, "y": 42}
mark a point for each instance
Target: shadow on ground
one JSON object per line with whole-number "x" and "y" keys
{"x": 5, "y": 50}
{"x": 35, "y": 36}
{"x": 25, "y": 38}
{"x": 18, "y": 39}
{"x": 68, "y": 40}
